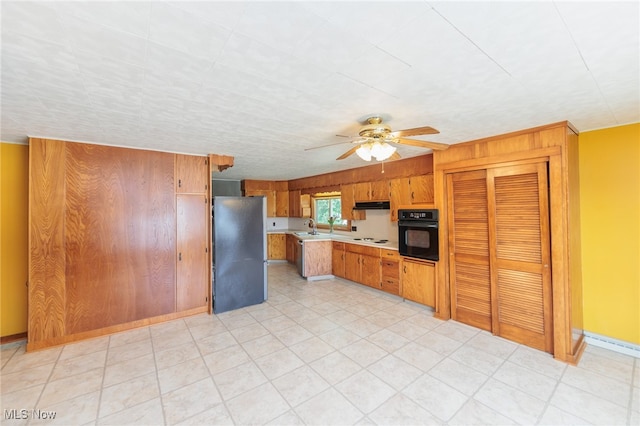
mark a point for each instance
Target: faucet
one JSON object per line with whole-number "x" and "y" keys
{"x": 314, "y": 226}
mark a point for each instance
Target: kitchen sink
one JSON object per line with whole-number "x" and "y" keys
{"x": 302, "y": 234}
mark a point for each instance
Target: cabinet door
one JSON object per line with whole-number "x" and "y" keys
{"x": 276, "y": 246}
{"x": 347, "y": 202}
{"x": 269, "y": 194}
{"x": 418, "y": 282}
{"x": 421, "y": 189}
{"x": 192, "y": 262}
{"x": 520, "y": 254}
{"x": 337, "y": 262}
{"x": 362, "y": 191}
{"x": 294, "y": 204}
{"x": 370, "y": 271}
{"x": 399, "y": 195}
{"x": 352, "y": 266}
{"x": 469, "y": 273}
{"x": 191, "y": 174}
{"x": 282, "y": 203}
{"x": 305, "y": 205}
{"x": 379, "y": 190}
{"x": 292, "y": 242}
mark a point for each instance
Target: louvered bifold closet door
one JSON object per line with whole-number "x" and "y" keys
{"x": 469, "y": 248}
{"x": 520, "y": 254}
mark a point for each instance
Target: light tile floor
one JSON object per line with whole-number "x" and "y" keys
{"x": 326, "y": 352}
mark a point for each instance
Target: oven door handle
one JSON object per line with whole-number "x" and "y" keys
{"x": 419, "y": 224}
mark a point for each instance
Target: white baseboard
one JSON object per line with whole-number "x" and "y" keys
{"x": 612, "y": 344}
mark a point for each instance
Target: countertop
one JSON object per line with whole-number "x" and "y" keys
{"x": 325, "y": 236}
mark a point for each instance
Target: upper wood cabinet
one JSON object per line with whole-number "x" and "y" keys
{"x": 269, "y": 194}
{"x": 347, "y": 201}
{"x": 305, "y": 205}
{"x": 191, "y": 174}
{"x": 407, "y": 191}
{"x": 421, "y": 188}
{"x": 361, "y": 191}
{"x": 379, "y": 190}
{"x": 294, "y": 204}
{"x": 399, "y": 194}
{"x": 371, "y": 191}
{"x": 282, "y": 203}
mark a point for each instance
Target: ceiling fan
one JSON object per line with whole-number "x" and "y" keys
{"x": 374, "y": 138}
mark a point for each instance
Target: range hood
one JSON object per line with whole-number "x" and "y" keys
{"x": 372, "y": 205}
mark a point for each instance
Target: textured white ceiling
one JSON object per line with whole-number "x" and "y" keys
{"x": 262, "y": 81}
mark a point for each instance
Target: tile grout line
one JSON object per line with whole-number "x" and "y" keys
{"x": 46, "y": 383}
{"x": 222, "y": 400}
{"x": 104, "y": 371}
{"x": 155, "y": 362}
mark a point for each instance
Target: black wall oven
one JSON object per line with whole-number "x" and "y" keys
{"x": 418, "y": 233}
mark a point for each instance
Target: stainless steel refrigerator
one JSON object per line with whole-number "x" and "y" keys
{"x": 239, "y": 252}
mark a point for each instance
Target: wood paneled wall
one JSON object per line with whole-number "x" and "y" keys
{"x": 408, "y": 167}
{"x": 120, "y": 235}
{"x": 102, "y": 238}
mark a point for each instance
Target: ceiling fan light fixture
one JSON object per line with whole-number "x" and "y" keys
{"x": 379, "y": 150}
{"x": 382, "y": 150}
{"x": 364, "y": 151}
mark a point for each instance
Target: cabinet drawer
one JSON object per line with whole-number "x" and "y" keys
{"x": 391, "y": 285}
{"x": 389, "y": 254}
{"x": 390, "y": 269}
{"x": 356, "y": 248}
{"x": 338, "y": 246}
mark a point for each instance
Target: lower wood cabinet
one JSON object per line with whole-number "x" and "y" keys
{"x": 338, "y": 259}
{"x": 418, "y": 281}
{"x": 317, "y": 258}
{"x": 291, "y": 242}
{"x": 390, "y": 271}
{"x": 362, "y": 264}
{"x": 276, "y": 246}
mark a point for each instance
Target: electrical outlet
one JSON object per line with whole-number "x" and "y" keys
{"x": 354, "y": 228}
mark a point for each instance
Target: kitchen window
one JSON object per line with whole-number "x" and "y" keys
{"x": 325, "y": 207}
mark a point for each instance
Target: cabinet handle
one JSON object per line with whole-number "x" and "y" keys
{"x": 179, "y": 183}
{"x": 180, "y": 256}
{"x": 412, "y": 195}
{"x": 404, "y": 269}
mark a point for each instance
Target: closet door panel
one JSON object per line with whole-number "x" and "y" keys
{"x": 469, "y": 248}
{"x": 520, "y": 256}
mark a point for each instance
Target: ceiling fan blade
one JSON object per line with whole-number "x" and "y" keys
{"x": 422, "y": 144}
{"x": 348, "y": 153}
{"x": 395, "y": 156}
{"x": 324, "y": 146}
{"x": 426, "y": 130}
{"x": 345, "y": 136}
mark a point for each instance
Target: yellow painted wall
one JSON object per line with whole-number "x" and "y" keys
{"x": 14, "y": 202}
{"x": 610, "y": 222}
